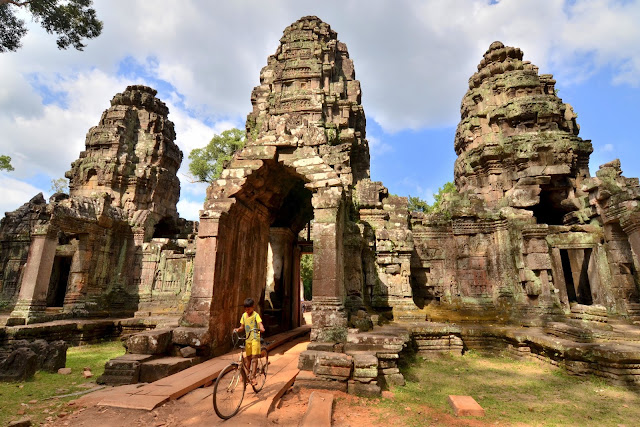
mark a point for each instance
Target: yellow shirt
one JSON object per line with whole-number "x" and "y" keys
{"x": 249, "y": 323}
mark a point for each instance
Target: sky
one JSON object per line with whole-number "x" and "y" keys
{"x": 413, "y": 60}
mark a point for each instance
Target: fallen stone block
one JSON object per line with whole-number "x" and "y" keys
{"x": 22, "y": 422}
{"x": 154, "y": 370}
{"x": 149, "y": 342}
{"x": 309, "y": 380}
{"x": 464, "y": 406}
{"x": 194, "y": 337}
{"x": 64, "y": 371}
{"x": 188, "y": 352}
{"x": 51, "y": 356}
{"x": 387, "y": 381}
{"x": 21, "y": 365}
{"x": 365, "y": 372}
{"x": 319, "y": 410}
{"x": 332, "y": 371}
{"x": 307, "y": 359}
{"x": 358, "y": 388}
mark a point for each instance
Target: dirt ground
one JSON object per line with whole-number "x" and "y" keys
{"x": 196, "y": 409}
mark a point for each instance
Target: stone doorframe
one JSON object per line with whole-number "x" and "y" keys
{"x": 229, "y": 225}
{"x": 598, "y": 293}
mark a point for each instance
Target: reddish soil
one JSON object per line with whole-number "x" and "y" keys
{"x": 195, "y": 409}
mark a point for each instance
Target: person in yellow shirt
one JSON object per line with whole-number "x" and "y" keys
{"x": 251, "y": 322}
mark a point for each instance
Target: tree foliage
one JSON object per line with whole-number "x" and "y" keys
{"x": 71, "y": 20}
{"x": 207, "y": 163}
{"x": 306, "y": 274}
{"x": 60, "y": 185}
{"x": 419, "y": 205}
{"x": 5, "y": 163}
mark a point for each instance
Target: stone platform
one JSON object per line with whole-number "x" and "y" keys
{"x": 610, "y": 351}
{"x": 81, "y": 331}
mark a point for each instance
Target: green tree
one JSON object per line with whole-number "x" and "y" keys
{"x": 5, "y": 163}
{"x": 60, "y": 185}
{"x": 417, "y": 204}
{"x": 71, "y": 20}
{"x": 207, "y": 163}
{"x": 306, "y": 274}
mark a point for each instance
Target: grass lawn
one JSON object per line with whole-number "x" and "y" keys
{"x": 511, "y": 392}
{"x": 29, "y": 396}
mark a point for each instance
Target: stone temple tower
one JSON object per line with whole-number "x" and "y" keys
{"x": 131, "y": 156}
{"x": 517, "y": 142}
{"x": 305, "y": 152}
{"x": 309, "y": 96}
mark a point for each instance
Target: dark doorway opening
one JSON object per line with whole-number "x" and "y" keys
{"x": 575, "y": 268}
{"x": 58, "y": 282}
{"x": 549, "y": 211}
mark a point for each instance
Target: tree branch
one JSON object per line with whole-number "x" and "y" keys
{"x": 15, "y": 3}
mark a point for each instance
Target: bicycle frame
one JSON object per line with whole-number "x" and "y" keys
{"x": 226, "y": 387}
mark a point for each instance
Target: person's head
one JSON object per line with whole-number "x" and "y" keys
{"x": 248, "y": 305}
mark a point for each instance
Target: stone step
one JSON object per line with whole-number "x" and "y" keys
{"x": 154, "y": 370}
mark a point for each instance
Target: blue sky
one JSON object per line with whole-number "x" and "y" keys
{"x": 413, "y": 59}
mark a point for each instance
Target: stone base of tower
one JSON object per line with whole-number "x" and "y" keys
{"x": 329, "y": 320}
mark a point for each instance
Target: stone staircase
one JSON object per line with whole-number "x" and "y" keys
{"x": 365, "y": 364}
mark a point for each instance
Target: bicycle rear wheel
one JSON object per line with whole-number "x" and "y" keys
{"x": 229, "y": 392}
{"x": 261, "y": 371}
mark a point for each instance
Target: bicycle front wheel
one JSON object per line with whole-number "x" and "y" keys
{"x": 228, "y": 392}
{"x": 261, "y": 371}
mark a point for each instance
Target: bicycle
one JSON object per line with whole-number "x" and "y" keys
{"x": 231, "y": 384}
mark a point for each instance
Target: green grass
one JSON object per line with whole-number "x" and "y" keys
{"x": 511, "y": 392}
{"x": 45, "y": 385}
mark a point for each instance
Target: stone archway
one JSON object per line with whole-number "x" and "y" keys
{"x": 259, "y": 202}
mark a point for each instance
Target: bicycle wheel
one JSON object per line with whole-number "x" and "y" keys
{"x": 261, "y": 371}
{"x": 228, "y": 392}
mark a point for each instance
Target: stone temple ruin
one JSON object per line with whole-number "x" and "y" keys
{"x": 531, "y": 254}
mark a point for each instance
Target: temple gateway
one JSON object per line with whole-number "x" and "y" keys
{"x": 530, "y": 254}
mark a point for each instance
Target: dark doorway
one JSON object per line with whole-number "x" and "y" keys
{"x": 575, "y": 268}
{"x": 58, "y": 282}
{"x": 548, "y": 211}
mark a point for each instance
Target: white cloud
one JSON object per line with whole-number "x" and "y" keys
{"x": 377, "y": 147}
{"x": 190, "y": 210}
{"x": 607, "y": 148}
{"x": 413, "y": 58}
{"x": 15, "y": 193}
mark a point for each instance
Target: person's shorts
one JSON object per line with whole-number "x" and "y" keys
{"x": 252, "y": 347}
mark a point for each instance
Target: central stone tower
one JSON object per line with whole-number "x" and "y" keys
{"x": 308, "y": 96}
{"x": 305, "y": 152}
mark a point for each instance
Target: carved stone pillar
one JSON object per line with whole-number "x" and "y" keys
{"x": 199, "y": 307}
{"x": 32, "y": 300}
{"x": 329, "y": 316}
